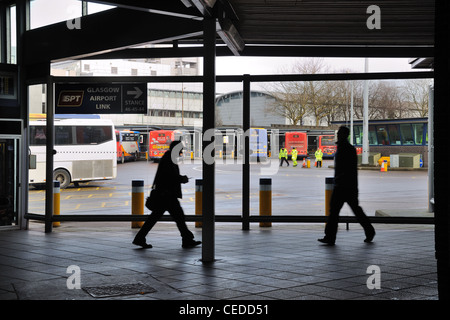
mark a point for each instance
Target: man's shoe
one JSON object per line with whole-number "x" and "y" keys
{"x": 369, "y": 237}
{"x": 142, "y": 244}
{"x": 326, "y": 241}
{"x": 190, "y": 243}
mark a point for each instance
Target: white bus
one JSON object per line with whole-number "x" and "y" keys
{"x": 86, "y": 150}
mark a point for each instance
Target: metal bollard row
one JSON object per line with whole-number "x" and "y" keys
{"x": 265, "y": 199}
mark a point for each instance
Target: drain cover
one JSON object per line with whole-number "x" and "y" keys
{"x": 114, "y": 290}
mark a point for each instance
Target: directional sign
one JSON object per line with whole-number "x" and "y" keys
{"x": 83, "y": 98}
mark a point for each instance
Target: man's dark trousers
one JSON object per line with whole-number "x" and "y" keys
{"x": 173, "y": 206}
{"x": 338, "y": 198}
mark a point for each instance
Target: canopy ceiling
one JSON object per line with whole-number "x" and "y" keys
{"x": 315, "y": 22}
{"x": 267, "y": 27}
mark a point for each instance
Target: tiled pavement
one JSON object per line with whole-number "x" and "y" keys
{"x": 284, "y": 262}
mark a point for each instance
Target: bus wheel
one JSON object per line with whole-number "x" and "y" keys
{"x": 63, "y": 177}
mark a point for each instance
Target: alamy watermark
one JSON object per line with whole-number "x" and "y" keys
{"x": 374, "y": 21}
{"x": 73, "y": 23}
{"x": 74, "y": 280}
{"x": 374, "y": 280}
{"x": 228, "y": 148}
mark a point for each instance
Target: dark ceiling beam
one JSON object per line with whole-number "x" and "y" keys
{"x": 167, "y": 7}
{"x": 104, "y": 32}
{"x": 339, "y": 51}
{"x": 253, "y": 78}
{"x": 274, "y": 51}
{"x": 146, "y": 53}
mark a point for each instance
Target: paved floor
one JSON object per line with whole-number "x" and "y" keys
{"x": 284, "y": 262}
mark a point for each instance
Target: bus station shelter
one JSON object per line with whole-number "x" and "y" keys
{"x": 211, "y": 28}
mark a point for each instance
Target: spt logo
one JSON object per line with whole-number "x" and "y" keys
{"x": 70, "y": 98}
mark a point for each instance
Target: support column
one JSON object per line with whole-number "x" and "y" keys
{"x": 441, "y": 152}
{"x": 22, "y": 25}
{"x": 209, "y": 123}
{"x": 246, "y": 164}
{"x": 50, "y": 138}
{"x": 365, "y": 152}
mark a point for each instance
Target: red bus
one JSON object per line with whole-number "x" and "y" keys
{"x": 159, "y": 142}
{"x": 327, "y": 144}
{"x": 299, "y": 140}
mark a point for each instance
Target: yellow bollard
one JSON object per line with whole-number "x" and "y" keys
{"x": 56, "y": 201}
{"x": 329, "y": 185}
{"x": 265, "y": 200}
{"x": 308, "y": 163}
{"x": 198, "y": 200}
{"x": 137, "y": 201}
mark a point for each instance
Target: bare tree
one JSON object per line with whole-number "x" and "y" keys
{"x": 290, "y": 102}
{"x": 330, "y": 100}
{"x": 319, "y": 94}
{"x": 384, "y": 100}
{"x": 416, "y": 92}
{"x": 295, "y": 100}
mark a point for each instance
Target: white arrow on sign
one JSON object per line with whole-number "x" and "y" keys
{"x": 137, "y": 92}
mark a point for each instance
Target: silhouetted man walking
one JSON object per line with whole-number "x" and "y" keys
{"x": 345, "y": 189}
{"x": 168, "y": 184}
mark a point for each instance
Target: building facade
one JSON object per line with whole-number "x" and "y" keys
{"x": 229, "y": 109}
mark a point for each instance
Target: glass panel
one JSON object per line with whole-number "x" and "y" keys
{"x": 328, "y": 141}
{"x": 418, "y": 133}
{"x": 407, "y": 137}
{"x": 96, "y": 7}
{"x": 372, "y": 136}
{"x": 38, "y": 135}
{"x": 394, "y": 135}
{"x": 93, "y": 135}
{"x": 229, "y": 153}
{"x": 45, "y": 12}
{"x": 8, "y": 181}
{"x": 382, "y": 135}
{"x": 358, "y": 135}
{"x": 63, "y": 135}
{"x": 12, "y": 58}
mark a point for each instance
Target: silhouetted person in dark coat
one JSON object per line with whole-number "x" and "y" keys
{"x": 345, "y": 189}
{"x": 168, "y": 185}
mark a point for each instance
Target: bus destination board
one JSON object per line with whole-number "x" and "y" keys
{"x": 117, "y": 98}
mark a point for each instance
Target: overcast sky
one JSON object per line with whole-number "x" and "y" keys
{"x": 258, "y": 65}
